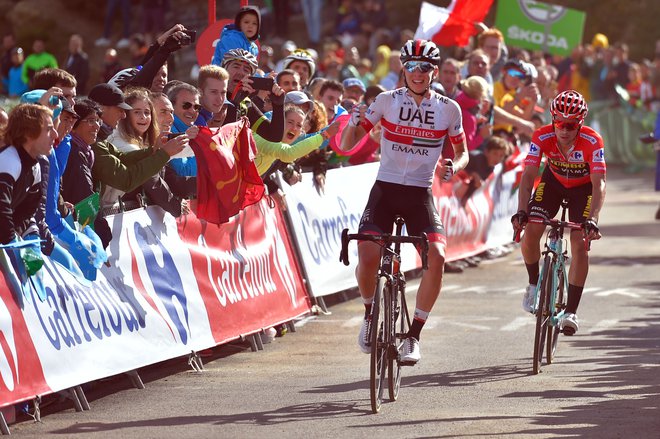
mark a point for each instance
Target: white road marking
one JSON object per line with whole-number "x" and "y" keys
{"x": 617, "y": 291}
{"x": 302, "y": 322}
{"x": 517, "y": 323}
{"x": 604, "y": 325}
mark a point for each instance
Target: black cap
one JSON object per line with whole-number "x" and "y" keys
{"x": 108, "y": 95}
{"x": 66, "y": 106}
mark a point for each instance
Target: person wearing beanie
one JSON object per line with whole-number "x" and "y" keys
{"x": 242, "y": 34}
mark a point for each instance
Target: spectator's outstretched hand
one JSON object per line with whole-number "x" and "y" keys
{"x": 175, "y": 145}
{"x": 53, "y": 91}
{"x": 163, "y": 37}
{"x": 192, "y": 132}
{"x": 319, "y": 183}
{"x": 332, "y": 129}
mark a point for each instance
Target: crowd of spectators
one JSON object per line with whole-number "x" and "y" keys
{"x": 126, "y": 139}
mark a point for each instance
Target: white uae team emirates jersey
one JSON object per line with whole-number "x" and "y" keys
{"x": 412, "y": 136}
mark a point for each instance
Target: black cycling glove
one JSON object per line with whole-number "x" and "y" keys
{"x": 590, "y": 226}
{"x": 521, "y": 216}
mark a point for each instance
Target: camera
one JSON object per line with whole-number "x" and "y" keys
{"x": 190, "y": 37}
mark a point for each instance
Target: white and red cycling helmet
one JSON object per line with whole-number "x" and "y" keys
{"x": 420, "y": 50}
{"x": 569, "y": 104}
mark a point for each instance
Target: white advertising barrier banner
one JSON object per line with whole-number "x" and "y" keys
{"x": 158, "y": 299}
{"x": 318, "y": 220}
{"x": 504, "y": 193}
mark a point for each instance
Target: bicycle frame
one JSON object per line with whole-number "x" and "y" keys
{"x": 555, "y": 247}
{"x": 386, "y": 312}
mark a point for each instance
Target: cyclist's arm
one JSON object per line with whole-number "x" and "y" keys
{"x": 526, "y": 185}
{"x": 350, "y": 136}
{"x": 597, "y": 195}
{"x": 461, "y": 156}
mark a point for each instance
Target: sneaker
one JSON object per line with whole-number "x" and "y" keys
{"x": 363, "y": 336}
{"x": 569, "y": 323}
{"x": 410, "y": 351}
{"x": 529, "y": 298}
{"x": 102, "y": 42}
{"x": 453, "y": 267}
{"x": 268, "y": 335}
{"x": 123, "y": 43}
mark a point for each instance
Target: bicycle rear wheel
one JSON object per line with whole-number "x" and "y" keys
{"x": 401, "y": 325}
{"x": 542, "y": 314}
{"x": 378, "y": 363}
{"x": 560, "y": 304}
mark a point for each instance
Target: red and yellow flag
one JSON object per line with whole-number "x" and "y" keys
{"x": 227, "y": 178}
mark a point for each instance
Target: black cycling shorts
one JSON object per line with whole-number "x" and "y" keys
{"x": 546, "y": 200}
{"x": 414, "y": 204}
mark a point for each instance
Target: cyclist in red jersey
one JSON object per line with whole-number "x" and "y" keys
{"x": 575, "y": 170}
{"x": 415, "y": 121}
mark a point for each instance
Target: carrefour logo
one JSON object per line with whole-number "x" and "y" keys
{"x": 534, "y": 149}
{"x": 599, "y": 155}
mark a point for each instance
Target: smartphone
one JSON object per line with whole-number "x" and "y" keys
{"x": 171, "y": 136}
{"x": 259, "y": 83}
{"x": 192, "y": 34}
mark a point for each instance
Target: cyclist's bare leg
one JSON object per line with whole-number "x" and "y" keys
{"x": 530, "y": 245}
{"x": 368, "y": 260}
{"x": 429, "y": 288}
{"x": 577, "y": 274}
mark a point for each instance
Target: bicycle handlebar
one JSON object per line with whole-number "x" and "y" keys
{"x": 554, "y": 223}
{"x": 385, "y": 239}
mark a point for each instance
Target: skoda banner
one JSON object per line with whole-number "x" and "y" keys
{"x": 540, "y": 26}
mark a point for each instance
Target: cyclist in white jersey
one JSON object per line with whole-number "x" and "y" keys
{"x": 415, "y": 121}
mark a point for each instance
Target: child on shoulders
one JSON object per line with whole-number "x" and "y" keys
{"x": 242, "y": 34}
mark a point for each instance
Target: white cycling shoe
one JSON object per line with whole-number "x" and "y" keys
{"x": 410, "y": 354}
{"x": 363, "y": 336}
{"x": 529, "y": 298}
{"x": 569, "y": 323}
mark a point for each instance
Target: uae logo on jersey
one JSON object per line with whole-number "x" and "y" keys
{"x": 599, "y": 155}
{"x": 576, "y": 156}
{"x": 534, "y": 149}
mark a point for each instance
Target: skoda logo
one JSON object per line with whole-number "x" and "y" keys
{"x": 541, "y": 13}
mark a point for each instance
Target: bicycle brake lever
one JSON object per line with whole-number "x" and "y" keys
{"x": 343, "y": 255}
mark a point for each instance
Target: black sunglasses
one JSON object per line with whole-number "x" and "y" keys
{"x": 188, "y": 105}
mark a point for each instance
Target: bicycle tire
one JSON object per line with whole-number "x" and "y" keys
{"x": 554, "y": 331}
{"x": 401, "y": 321}
{"x": 378, "y": 363}
{"x": 542, "y": 315}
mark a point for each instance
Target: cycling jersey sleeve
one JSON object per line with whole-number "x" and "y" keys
{"x": 596, "y": 159}
{"x": 375, "y": 111}
{"x": 534, "y": 155}
{"x": 455, "y": 130}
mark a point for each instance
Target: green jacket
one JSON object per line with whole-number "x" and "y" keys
{"x": 125, "y": 170}
{"x": 35, "y": 62}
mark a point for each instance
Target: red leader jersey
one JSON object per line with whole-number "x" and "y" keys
{"x": 586, "y": 156}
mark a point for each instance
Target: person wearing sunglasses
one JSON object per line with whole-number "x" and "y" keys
{"x": 575, "y": 170}
{"x": 415, "y": 121}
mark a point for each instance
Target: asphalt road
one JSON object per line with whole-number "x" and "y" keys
{"x": 474, "y": 379}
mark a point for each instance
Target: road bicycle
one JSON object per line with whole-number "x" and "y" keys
{"x": 551, "y": 289}
{"x": 390, "y": 320}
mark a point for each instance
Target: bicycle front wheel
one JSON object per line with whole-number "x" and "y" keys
{"x": 401, "y": 325}
{"x": 560, "y": 304}
{"x": 378, "y": 363}
{"x": 542, "y": 314}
